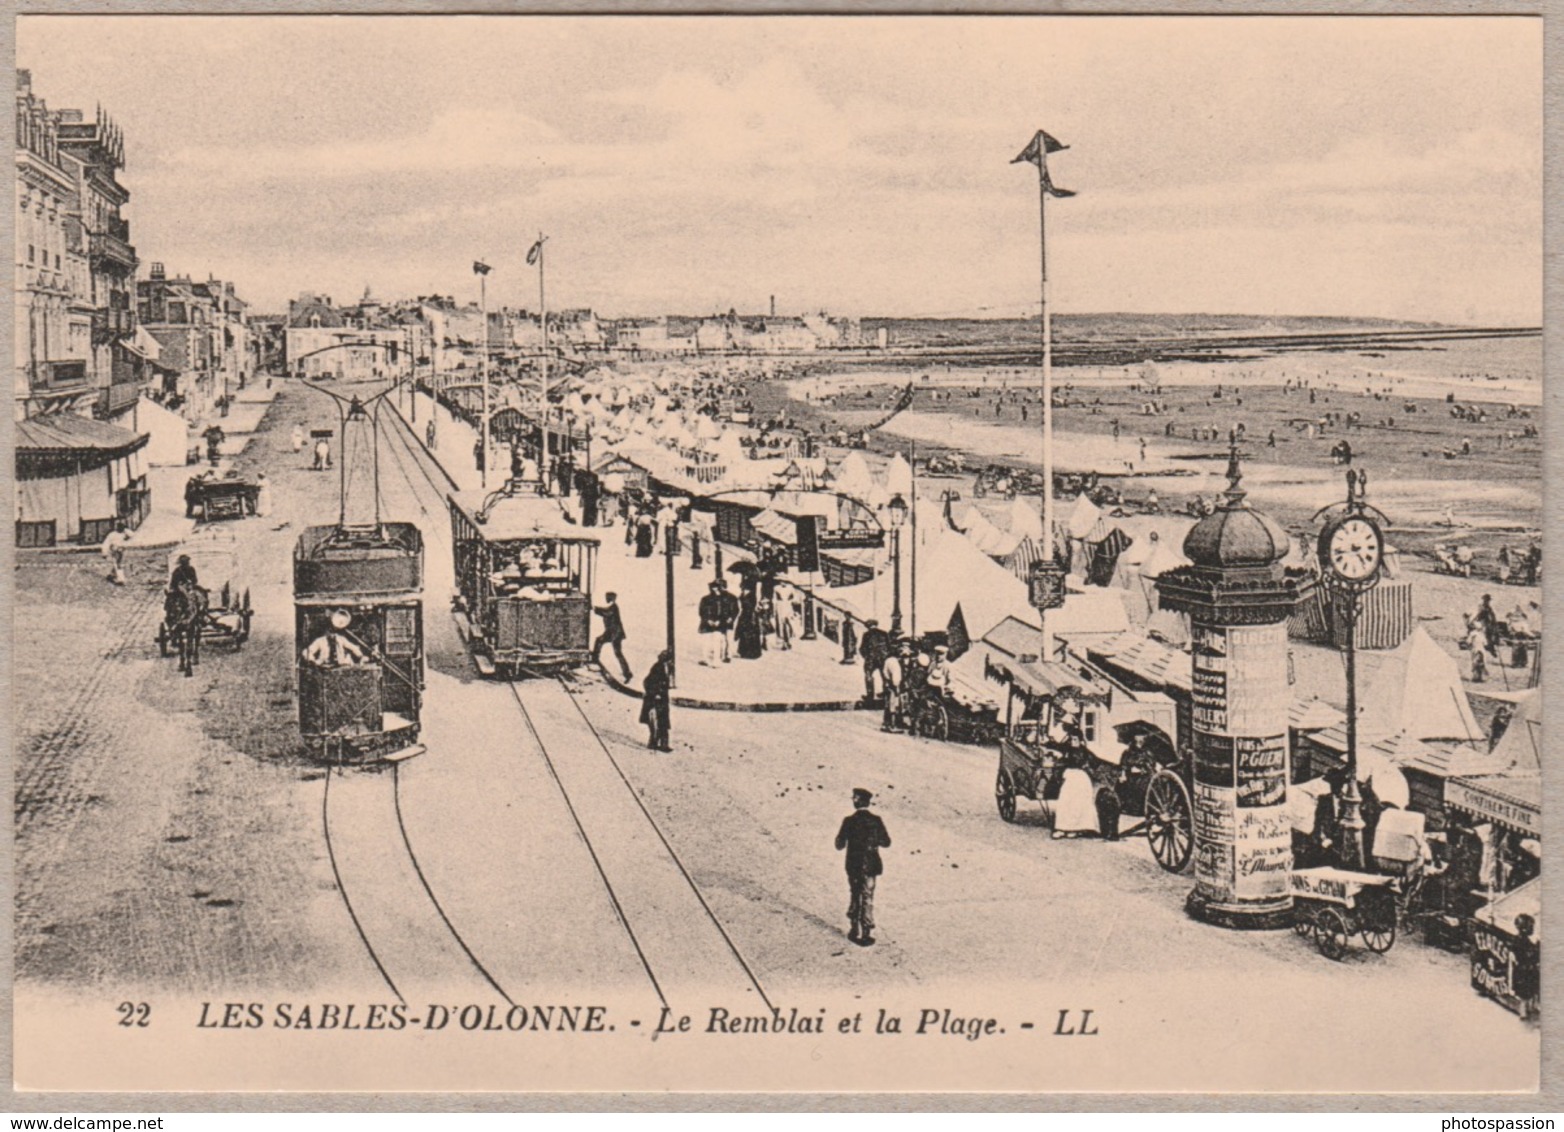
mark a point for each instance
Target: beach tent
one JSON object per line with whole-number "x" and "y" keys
{"x": 1415, "y": 690}
{"x": 983, "y": 534}
{"x": 898, "y": 477}
{"x": 952, "y": 572}
{"x": 853, "y": 477}
{"x": 1081, "y": 517}
{"x": 1520, "y": 747}
{"x": 1025, "y": 522}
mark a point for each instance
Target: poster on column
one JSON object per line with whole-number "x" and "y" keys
{"x": 424, "y": 774}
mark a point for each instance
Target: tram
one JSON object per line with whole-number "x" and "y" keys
{"x": 358, "y": 616}
{"x": 524, "y": 575}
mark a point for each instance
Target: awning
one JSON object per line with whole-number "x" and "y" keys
{"x": 143, "y": 345}
{"x": 1511, "y": 800}
{"x": 1042, "y": 678}
{"x": 67, "y": 435}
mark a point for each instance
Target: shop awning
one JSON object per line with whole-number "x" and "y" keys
{"x": 1511, "y": 800}
{"x": 69, "y": 436}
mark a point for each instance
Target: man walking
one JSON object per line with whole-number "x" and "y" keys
{"x": 654, "y": 702}
{"x": 114, "y": 544}
{"x": 863, "y": 836}
{"x": 613, "y": 633}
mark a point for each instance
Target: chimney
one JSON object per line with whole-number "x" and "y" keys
{"x": 773, "y": 306}
{"x": 156, "y": 271}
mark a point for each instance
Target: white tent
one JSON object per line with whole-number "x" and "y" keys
{"x": 988, "y": 538}
{"x": 1082, "y": 517}
{"x": 1025, "y": 522}
{"x": 951, "y": 572}
{"x": 1520, "y": 748}
{"x": 853, "y": 477}
{"x": 1414, "y": 689}
{"x": 898, "y": 477}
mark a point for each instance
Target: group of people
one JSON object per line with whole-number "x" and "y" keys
{"x": 1486, "y": 631}
{"x": 897, "y": 671}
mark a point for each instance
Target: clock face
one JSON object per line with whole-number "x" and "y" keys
{"x": 1353, "y": 549}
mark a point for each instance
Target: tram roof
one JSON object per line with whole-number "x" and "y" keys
{"x": 520, "y": 517}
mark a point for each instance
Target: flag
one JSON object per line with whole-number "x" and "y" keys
{"x": 479, "y": 267}
{"x": 1037, "y": 151}
{"x": 534, "y": 252}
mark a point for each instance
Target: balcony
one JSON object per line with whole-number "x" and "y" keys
{"x": 109, "y": 324}
{"x": 110, "y": 252}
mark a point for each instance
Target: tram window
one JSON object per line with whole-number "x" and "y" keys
{"x": 401, "y": 632}
{"x": 1089, "y": 726}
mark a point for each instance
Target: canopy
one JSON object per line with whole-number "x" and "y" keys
{"x": 1414, "y": 689}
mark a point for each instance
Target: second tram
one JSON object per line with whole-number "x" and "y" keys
{"x": 524, "y": 575}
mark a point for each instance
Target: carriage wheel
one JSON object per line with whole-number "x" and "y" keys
{"x": 1331, "y": 933}
{"x": 933, "y": 722}
{"x": 1380, "y": 935}
{"x": 1303, "y": 922}
{"x": 1005, "y": 796}
{"x": 163, "y": 640}
{"x": 1169, "y": 825}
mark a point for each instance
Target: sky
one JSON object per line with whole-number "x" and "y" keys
{"x": 1365, "y": 166}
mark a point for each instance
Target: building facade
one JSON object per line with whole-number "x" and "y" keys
{"x": 53, "y": 312}
{"x": 95, "y": 151}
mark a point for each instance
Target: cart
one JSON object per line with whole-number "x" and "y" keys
{"x": 226, "y": 618}
{"x": 1332, "y": 905}
{"x": 221, "y": 497}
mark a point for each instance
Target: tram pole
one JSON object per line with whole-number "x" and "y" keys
{"x": 481, "y": 269}
{"x": 670, "y": 552}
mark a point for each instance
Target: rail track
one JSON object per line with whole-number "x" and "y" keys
{"x": 680, "y": 942}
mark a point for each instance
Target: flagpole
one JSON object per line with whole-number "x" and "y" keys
{"x": 483, "y": 302}
{"x": 1048, "y": 371}
{"x": 543, "y": 325}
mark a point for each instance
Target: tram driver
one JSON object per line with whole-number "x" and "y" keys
{"x": 334, "y": 648}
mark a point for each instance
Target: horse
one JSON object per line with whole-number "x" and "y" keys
{"x": 185, "y": 610}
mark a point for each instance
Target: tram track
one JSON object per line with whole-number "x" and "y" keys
{"x": 681, "y": 944}
{"x": 47, "y": 773}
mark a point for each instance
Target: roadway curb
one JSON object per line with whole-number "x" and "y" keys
{"x": 772, "y": 707}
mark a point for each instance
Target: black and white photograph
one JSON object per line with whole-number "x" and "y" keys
{"x": 778, "y": 553}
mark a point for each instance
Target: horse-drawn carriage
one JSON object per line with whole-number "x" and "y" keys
{"x": 197, "y": 570}
{"x": 210, "y": 497}
{"x": 1060, "y": 721}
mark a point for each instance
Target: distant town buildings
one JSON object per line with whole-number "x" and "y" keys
{"x": 204, "y": 349}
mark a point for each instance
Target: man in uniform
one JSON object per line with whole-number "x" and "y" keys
{"x": 613, "y": 633}
{"x": 334, "y": 648}
{"x": 863, "y": 835}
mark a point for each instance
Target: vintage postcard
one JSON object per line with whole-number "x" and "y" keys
{"x": 772, "y": 554}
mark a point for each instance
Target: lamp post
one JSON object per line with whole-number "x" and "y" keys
{"x": 1351, "y": 553}
{"x": 896, "y": 511}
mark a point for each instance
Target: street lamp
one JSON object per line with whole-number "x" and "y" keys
{"x": 896, "y": 512}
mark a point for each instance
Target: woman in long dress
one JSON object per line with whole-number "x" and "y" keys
{"x": 1075, "y": 810}
{"x": 748, "y": 628}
